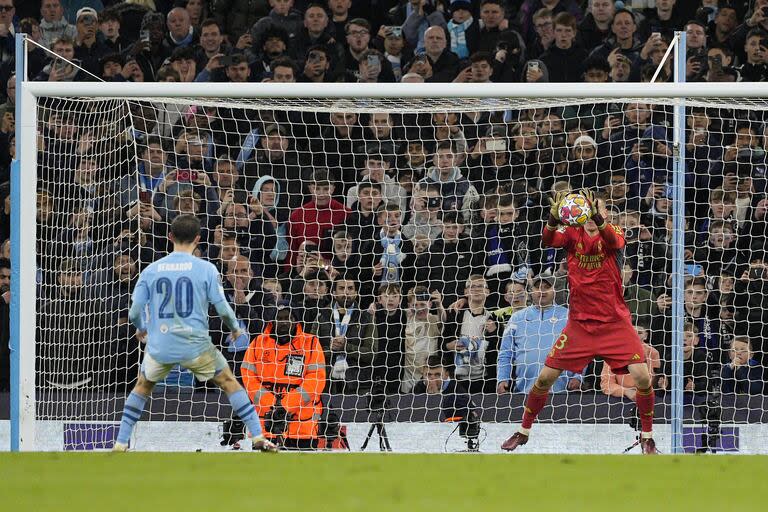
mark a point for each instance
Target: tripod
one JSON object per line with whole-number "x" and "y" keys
{"x": 381, "y": 430}
{"x": 634, "y": 423}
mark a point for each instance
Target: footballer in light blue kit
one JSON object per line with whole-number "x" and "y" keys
{"x": 170, "y": 311}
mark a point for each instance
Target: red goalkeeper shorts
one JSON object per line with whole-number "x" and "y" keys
{"x": 580, "y": 342}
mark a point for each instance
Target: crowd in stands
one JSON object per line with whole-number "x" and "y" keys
{"x": 396, "y": 236}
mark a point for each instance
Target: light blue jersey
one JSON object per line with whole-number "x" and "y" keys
{"x": 178, "y": 290}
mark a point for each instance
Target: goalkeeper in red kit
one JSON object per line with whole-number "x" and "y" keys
{"x": 599, "y": 323}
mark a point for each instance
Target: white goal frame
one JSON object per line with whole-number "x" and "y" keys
{"x": 24, "y": 175}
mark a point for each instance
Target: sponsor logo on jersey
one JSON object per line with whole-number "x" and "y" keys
{"x": 636, "y": 357}
{"x": 163, "y": 328}
{"x": 590, "y": 261}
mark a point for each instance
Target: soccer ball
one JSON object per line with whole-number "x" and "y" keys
{"x": 575, "y": 210}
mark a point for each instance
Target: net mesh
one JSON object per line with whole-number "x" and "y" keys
{"x": 429, "y": 231}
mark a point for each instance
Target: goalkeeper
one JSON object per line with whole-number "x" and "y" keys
{"x": 178, "y": 290}
{"x": 599, "y": 322}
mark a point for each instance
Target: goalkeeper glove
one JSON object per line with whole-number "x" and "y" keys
{"x": 554, "y": 210}
{"x": 593, "y": 207}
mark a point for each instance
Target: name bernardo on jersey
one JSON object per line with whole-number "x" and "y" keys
{"x": 174, "y": 267}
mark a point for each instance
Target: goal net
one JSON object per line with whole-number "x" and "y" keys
{"x": 406, "y": 234}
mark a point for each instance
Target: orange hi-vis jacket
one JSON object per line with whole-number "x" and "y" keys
{"x": 295, "y": 372}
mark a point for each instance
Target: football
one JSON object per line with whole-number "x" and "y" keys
{"x": 575, "y": 210}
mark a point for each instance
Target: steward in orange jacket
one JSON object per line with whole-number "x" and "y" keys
{"x": 286, "y": 370}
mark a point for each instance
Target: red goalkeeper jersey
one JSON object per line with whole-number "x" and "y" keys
{"x": 594, "y": 271}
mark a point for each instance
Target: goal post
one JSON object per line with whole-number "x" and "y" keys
{"x": 316, "y": 99}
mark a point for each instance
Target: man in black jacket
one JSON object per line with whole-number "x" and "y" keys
{"x": 451, "y": 259}
{"x": 564, "y": 59}
{"x": 445, "y": 63}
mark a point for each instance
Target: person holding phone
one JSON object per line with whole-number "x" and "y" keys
{"x": 370, "y": 66}
{"x": 756, "y": 48}
{"x": 719, "y": 69}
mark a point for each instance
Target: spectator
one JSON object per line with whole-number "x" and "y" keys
{"x": 422, "y": 333}
{"x": 530, "y": 7}
{"x": 457, "y": 192}
{"x": 197, "y": 10}
{"x": 493, "y": 26}
{"x": 53, "y": 24}
{"x": 317, "y": 66}
{"x": 445, "y": 63}
{"x": 426, "y": 205}
{"x": 150, "y": 173}
{"x": 211, "y": 43}
{"x": 150, "y": 51}
{"x": 375, "y": 171}
{"x": 545, "y": 33}
{"x": 349, "y": 338}
{"x": 505, "y": 246}
{"x": 742, "y": 374}
{"x": 344, "y": 261}
{"x": 596, "y": 25}
{"x": 373, "y": 68}
{"x": 390, "y": 318}
{"x": 662, "y": 20}
{"x": 361, "y": 224}
{"x": 754, "y": 68}
{"x": 565, "y": 60}
{"x": 469, "y": 333}
{"x": 450, "y": 259}
{"x": 314, "y": 219}
{"x": 481, "y": 68}
{"x": 317, "y": 33}
{"x": 88, "y": 49}
{"x": 339, "y": 11}
{"x": 622, "y": 41}
{"x": 249, "y": 304}
{"x": 109, "y": 31}
{"x": 720, "y": 251}
{"x": 462, "y": 27}
{"x": 724, "y": 24}
{"x": 623, "y": 386}
{"x": 639, "y": 300}
{"x": 283, "y": 16}
{"x": 720, "y": 66}
{"x": 696, "y": 310}
{"x": 527, "y": 338}
{"x": 8, "y": 26}
{"x": 420, "y": 15}
{"x": 283, "y": 70}
{"x": 515, "y": 299}
{"x": 263, "y": 203}
{"x": 273, "y": 157}
{"x": 695, "y": 361}
{"x": 236, "y": 17}
{"x": 696, "y": 35}
{"x": 181, "y": 33}
{"x": 388, "y": 256}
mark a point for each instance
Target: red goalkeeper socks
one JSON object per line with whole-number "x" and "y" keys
{"x": 644, "y": 399}
{"x": 535, "y": 402}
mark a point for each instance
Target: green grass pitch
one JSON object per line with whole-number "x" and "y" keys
{"x": 105, "y": 482}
